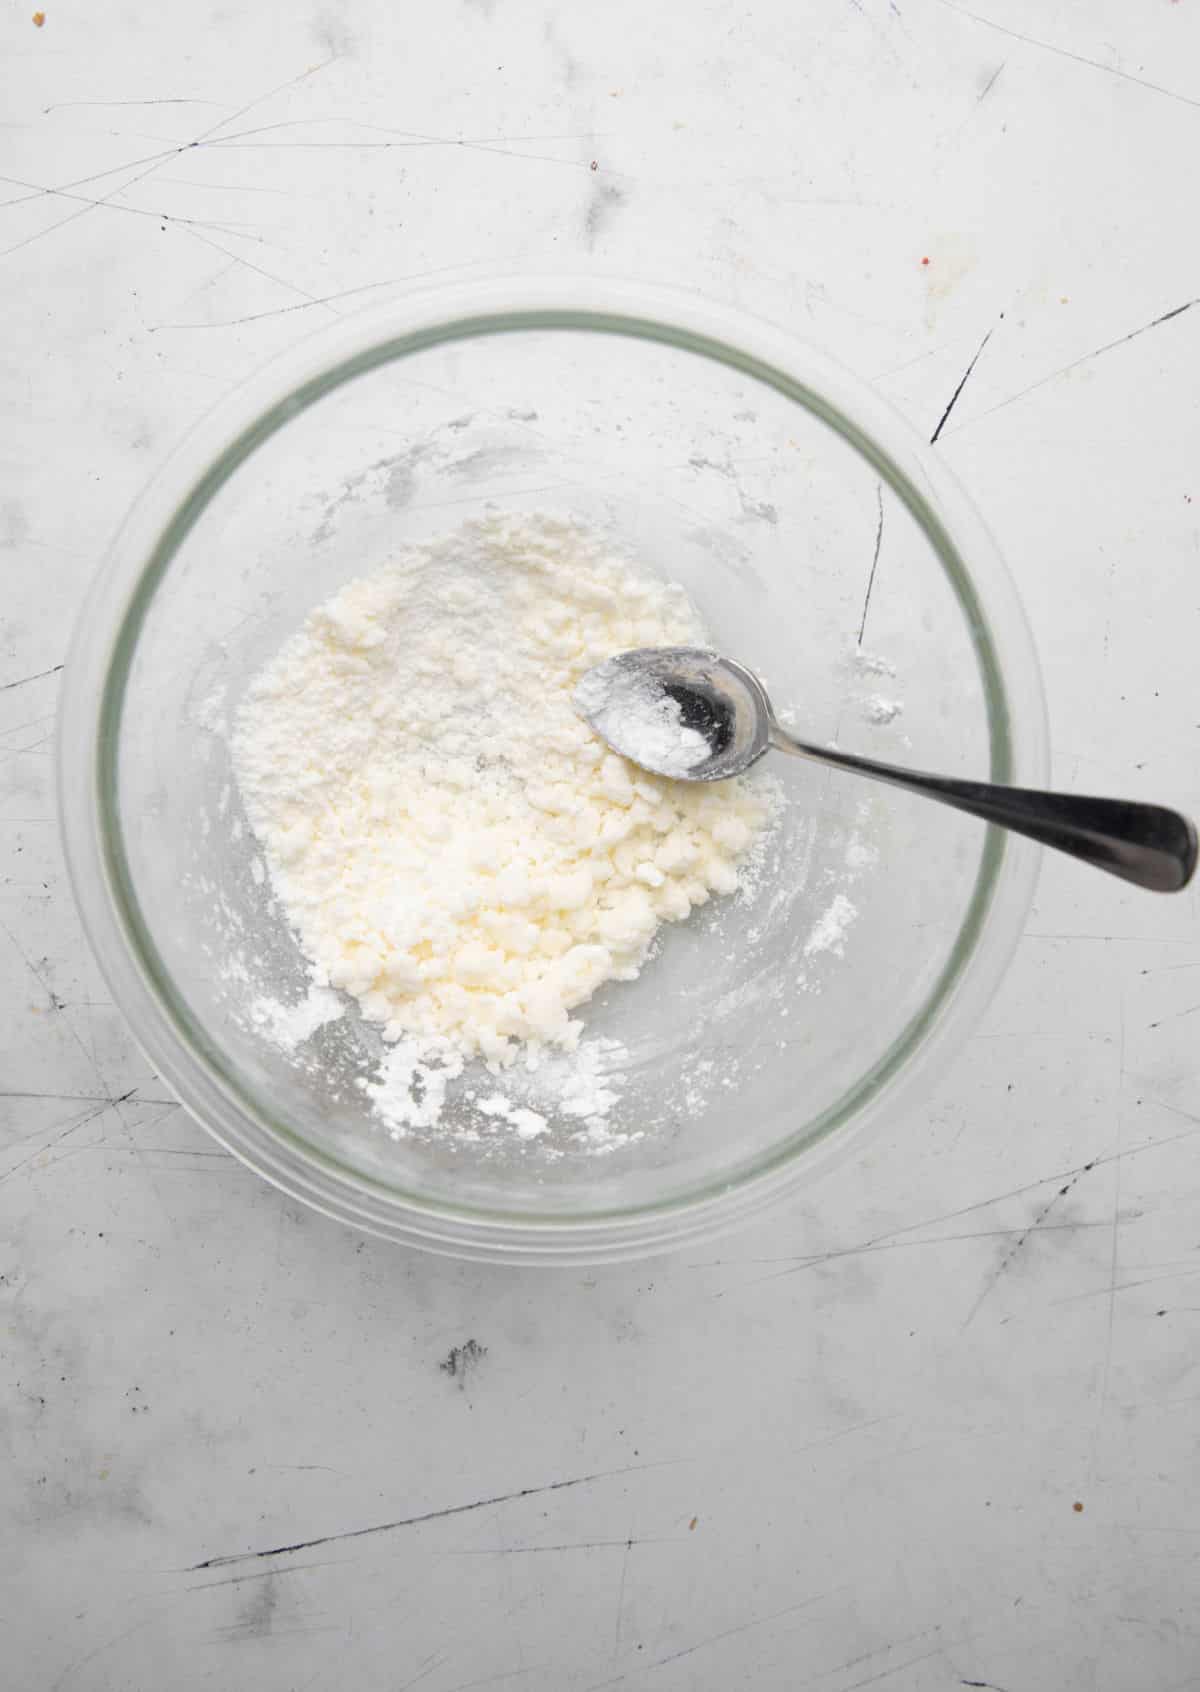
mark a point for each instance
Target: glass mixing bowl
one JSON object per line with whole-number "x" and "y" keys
{"x": 825, "y": 547}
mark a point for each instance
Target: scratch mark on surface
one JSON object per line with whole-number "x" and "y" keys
{"x": 883, "y": 1674}
{"x": 92, "y": 205}
{"x": 876, "y": 30}
{"x": 416, "y": 1521}
{"x": 620, "y": 1601}
{"x": 6, "y": 687}
{"x": 83, "y": 1098}
{"x": 1173, "y": 1275}
{"x": 713, "y": 1639}
{"x": 1175, "y": 1015}
{"x": 1058, "y": 1175}
{"x": 71, "y": 105}
{"x": 990, "y": 1684}
{"x": 105, "y": 1646}
{"x": 265, "y": 1574}
{"x": 99, "y": 175}
{"x": 886, "y": 1674}
{"x": 842, "y": 1433}
{"x": 1066, "y": 369}
{"x": 317, "y": 300}
{"x": 30, "y": 722}
{"x": 242, "y": 141}
{"x": 963, "y": 380}
{"x": 152, "y": 161}
{"x": 1116, "y": 1222}
{"x": 109, "y": 203}
{"x": 987, "y": 88}
{"x": 280, "y": 281}
{"x": 1005, "y": 1262}
{"x": 491, "y": 1679}
{"x": 885, "y": 1243}
{"x": 427, "y": 1667}
{"x": 1065, "y": 53}
{"x": 89, "y": 1057}
{"x": 71, "y": 1128}
{"x": 571, "y": 1545}
{"x": 862, "y": 624}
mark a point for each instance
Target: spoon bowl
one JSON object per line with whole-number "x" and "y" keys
{"x": 716, "y": 702}
{"x": 714, "y": 697}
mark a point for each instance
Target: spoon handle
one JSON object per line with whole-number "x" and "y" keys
{"x": 1146, "y": 844}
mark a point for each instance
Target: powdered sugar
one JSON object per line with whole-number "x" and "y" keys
{"x": 455, "y": 849}
{"x": 290, "y": 1025}
{"x": 643, "y": 723}
{"x": 879, "y": 710}
{"x": 829, "y": 932}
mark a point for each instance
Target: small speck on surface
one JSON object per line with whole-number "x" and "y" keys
{"x": 1077, "y": 1507}
{"x": 461, "y": 1359}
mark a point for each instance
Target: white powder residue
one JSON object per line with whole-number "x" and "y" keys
{"x": 410, "y": 1091}
{"x": 457, "y": 850}
{"x": 860, "y": 854}
{"x": 879, "y": 710}
{"x": 290, "y": 1025}
{"x": 586, "y": 1084}
{"x": 210, "y": 713}
{"x": 829, "y": 932}
{"x": 528, "y": 1123}
{"x": 643, "y": 723}
{"x": 870, "y": 664}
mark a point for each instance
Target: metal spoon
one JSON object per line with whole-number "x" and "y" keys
{"x": 728, "y": 705}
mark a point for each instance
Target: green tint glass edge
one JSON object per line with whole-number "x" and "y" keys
{"x": 116, "y": 861}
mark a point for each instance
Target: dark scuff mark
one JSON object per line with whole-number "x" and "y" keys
{"x": 258, "y": 1612}
{"x": 14, "y": 525}
{"x": 400, "y": 486}
{"x": 862, "y": 626}
{"x": 460, "y": 1360}
{"x": 333, "y": 35}
{"x": 953, "y": 401}
{"x": 571, "y": 69}
{"x": 1055, "y": 1197}
{"x": 606, "y": 199}
{"x": 415, "y": 1521}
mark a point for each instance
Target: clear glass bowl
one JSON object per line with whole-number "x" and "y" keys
{"x": 771, "y": 1032}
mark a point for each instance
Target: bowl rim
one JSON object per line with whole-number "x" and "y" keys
{"x": 105, "y": 639}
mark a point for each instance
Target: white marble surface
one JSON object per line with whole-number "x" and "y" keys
{"x": 847, "y": 1446}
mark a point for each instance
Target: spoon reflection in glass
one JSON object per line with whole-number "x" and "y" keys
{"x": 692, "y": 715}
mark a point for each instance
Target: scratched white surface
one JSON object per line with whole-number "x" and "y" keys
{"x": 846, "y": 1446}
